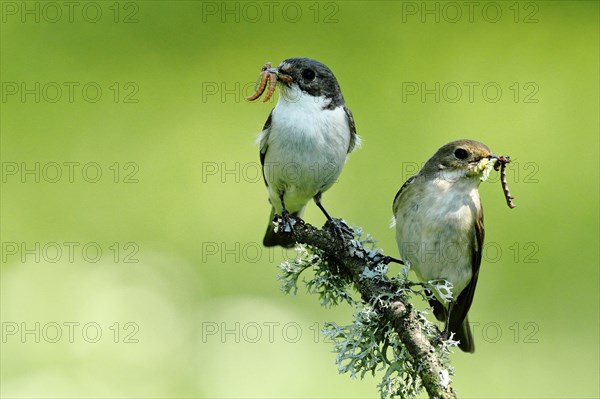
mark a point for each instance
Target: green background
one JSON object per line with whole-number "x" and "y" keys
{"x": 202, "y": 301}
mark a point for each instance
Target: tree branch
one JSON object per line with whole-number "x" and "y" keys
{"x": 352, "y": 263}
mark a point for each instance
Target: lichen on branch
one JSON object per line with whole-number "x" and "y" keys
{"x": 388, "y": 334}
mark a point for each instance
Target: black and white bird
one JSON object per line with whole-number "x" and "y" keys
{"x": 305, "y": 141}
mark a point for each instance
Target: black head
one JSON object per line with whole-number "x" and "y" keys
{"x": 312, "y": 77}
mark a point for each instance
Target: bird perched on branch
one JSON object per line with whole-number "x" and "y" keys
{"x": 305, "y": 141}
{"x": 439, "y": 228}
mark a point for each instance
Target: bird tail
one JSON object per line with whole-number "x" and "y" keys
{"x": 273, "y": 239}
{"x": 461, "y": 329}
{"x": 462, "y": 333}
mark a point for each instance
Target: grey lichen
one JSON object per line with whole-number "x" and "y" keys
{"x": 331, "y": 287}
{"x": 387, "y": 335}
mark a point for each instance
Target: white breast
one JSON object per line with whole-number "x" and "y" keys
{"x": 435, "y": 228}
{"x": 307, "y": 148}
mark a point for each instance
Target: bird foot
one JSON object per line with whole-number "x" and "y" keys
{"x": 339, "y": 229}
{"x": 441, "y": 336}
{"x": 388, "y": 259}
{"x": 285, "y": 223}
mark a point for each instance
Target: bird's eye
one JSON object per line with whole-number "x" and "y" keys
{"x": 308, "y": 74}
{"x": 461, "y": 153}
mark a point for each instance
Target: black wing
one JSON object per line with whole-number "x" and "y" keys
{"x": 352, "y": 126}
{"x": 264, "y": 138}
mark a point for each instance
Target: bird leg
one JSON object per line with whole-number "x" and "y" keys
{"x": 443, "y": 335}
{"x": 446, "y": 333}
{"x": 287, "y": 221}
{"x": 339, "y": 227}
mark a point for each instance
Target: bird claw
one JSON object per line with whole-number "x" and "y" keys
{"x": 388, "y": 259}
{"x": 340, "y": 229}
{"x": 284, "y": 223}
{"x": 441, "y": 336}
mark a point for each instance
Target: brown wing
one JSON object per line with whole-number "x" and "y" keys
{"x": 397, "y": 197}
{"x": 465, "y": 299}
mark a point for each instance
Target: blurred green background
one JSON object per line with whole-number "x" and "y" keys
{"x": 149, "y": 280}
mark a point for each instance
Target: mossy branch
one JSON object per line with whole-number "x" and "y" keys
{"x": 386, "y": 324}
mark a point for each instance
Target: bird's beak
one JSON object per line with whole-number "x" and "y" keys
{"x": 280, "y": 75}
